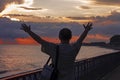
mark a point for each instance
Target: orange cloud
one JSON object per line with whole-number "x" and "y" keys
{"x": 25, "y": 41}
{"x": 1, "y": 42}
{"x": 97, "y": 37}
{"x": 30, "y": 41}
{"x": 74, "y": 38}
{"x": 108, "y": 22}
{"x": 92, "y": 37}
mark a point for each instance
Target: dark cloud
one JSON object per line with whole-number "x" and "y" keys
{"x": 29, "y": 8}
{"x": 78, "y": 18}
{"x": 19, "y": 15}
{"x": 4, "y": 19}
{"x": 114, "y": 17}
{"x": 84, "y": 7}
{"x": 3, "y": 3}
{"x": 107, "y": 2}
{"x": 109, "y": 25}
{"x": 10, "y": 30}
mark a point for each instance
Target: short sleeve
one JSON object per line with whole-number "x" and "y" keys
{"x": 49, "y": 48}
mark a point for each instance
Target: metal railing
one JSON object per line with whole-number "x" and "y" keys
{"x": 82, "y": 68}
{"x": 97, "y": 66}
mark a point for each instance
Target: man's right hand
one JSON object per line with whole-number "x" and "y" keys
{"x": 25, "y": 27}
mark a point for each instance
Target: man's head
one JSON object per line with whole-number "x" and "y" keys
{"x": 65, "y": 34}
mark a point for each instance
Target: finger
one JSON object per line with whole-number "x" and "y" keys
{"x": 91, "y": 24}
{"x": 29, "y": 27}
{"x": 23, "y": 25}
{"x": 84, "y": 26}
{"x": 88, "y": 24}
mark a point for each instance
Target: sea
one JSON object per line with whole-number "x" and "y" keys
{"x": 16, "y": 59}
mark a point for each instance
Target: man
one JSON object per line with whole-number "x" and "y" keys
{"x": 67, "y": 51}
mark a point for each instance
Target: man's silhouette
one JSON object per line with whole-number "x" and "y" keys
{"x": 67, "y": 51}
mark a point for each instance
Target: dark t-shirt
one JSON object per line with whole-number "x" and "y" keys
{"x": 67, "y": 55}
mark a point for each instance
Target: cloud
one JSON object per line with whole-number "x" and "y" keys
{"x": 91, "y": 37}
{"x": 1, "y": 41}
{"x": 84, "y": 7}
{"x": 114, "y": 16}
{"x": 98, "y": 37}
{"x": 33, "y": 18}
{"x": 4, "y": 19}
{"x": 19, "y": 15}
{"x": 31, "y": 8}
{"x": 108, "y": 26}
{"x": 25, "y": 41}
{"x": 107, "y": 2}
{"x": 10, "y": 30}
{"x": 4, "y": 3}
{"x": 29, "y": 40}
{"x": 77, "y": 18}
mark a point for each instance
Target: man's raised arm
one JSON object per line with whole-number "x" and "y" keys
{"x": 87, "y": 27}
{"x": 32, "y": 34}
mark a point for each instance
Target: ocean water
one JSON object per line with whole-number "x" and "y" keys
{"x": 21, "y": 58}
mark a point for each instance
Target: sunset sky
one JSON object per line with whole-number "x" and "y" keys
{"x": 47, "y": 17}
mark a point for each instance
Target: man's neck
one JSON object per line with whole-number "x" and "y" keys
{"x": 64, "y": 41}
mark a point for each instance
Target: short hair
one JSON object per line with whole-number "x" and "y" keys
{"x": 65, "y": 34}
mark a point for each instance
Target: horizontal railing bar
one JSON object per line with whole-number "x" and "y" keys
{"x": 21, "y": 74}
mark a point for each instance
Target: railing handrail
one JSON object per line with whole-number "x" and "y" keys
{"x": 21, "y": 74}
{"x": 78, "y": 60}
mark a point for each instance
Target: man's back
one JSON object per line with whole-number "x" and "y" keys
{"x": 66, "y": 62}
{"x": 67, "y": 55}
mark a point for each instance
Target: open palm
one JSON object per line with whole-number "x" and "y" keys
{"x": 25, "y": 27}
{"x": 88, "y": 26}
